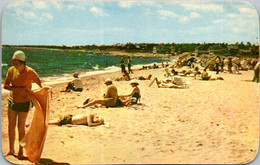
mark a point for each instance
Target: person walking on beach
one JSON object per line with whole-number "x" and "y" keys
{"x": 230, "y": 65}
{"x": 257, "y": 72}
{"x": 88, "y": 120}
{"x": 217, "y": 64}
{"x": 19, "y": 78}
{"x": 110, "y": 97}
{"x": 122, "y": 65}
{"x": 75, "y": 84}
{"x": 222, "y": 64}
{"x": 129, "y": 63}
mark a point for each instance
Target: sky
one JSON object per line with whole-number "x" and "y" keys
{"x": 110, "y": 22}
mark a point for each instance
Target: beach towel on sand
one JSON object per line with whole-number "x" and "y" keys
{"x": 34, "y": 139}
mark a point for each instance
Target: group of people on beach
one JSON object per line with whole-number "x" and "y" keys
{"x": 129, "y": 64}
{"x": 19, "y": 80}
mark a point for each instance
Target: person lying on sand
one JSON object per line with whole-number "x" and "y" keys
{"x": 110, "y": 97}
{"x": 143, "y": 78}
{"x": 168, "y": 83}
{"x": 125, "y": 77}
{"x": 205, "y": 76}
{"x": 133, "y": 97}
{"x": 75, "y": 84}
{"x": 89, "y": 120}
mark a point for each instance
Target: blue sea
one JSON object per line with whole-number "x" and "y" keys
{"x": 51, "y": 63}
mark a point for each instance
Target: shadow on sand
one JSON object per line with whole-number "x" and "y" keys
{"x": 50, "y": 162}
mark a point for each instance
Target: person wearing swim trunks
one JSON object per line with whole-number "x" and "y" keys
{"x": 19, "y": 78}
{"x": 110, "y": 97}
{"x": 88, "y": 120}
{"x": 134, "y": 95}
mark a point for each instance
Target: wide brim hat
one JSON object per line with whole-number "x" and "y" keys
{"x": 134, "y": 82}
{"x": 75, "y": 74}
{"x": 108, "y": 81}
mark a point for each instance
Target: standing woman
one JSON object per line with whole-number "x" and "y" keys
{"x": 18, "y": 79}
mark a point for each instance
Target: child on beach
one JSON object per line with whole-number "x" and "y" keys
{"x": 134, "y": 95}
{"x": 75, "y": 84}
{"x": 89, "y": 120}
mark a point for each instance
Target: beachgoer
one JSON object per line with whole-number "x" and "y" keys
{"x": 167, "y": 83}
{"x": 217, "y": 64}
{"x": 19, "y": 78}
{"x": 257, "y": 72}
{"x": 143, "y": 78}
{"x": 129, "y": 63}
{"x": 244, "y": 64}
{"x": 88, "y": 120}
{"x": 222, "y": 64}
{"x": 125, "y": 77}
{"x": 122, "y": 65}
{"x": 230, "y": 65}
{"x": 75, "y": 84}
{"x": 196, "y": 71}
{"x": 205, "y": 75}
{"x": 167, "y": 64}
{"x": 134, "y": 95}
{"x": 110, "y": 97}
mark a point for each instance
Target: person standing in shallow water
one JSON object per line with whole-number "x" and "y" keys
{"x": 122, "y": 65}
{"x": 129, "y": 64}
{"x": 18, "y": 80}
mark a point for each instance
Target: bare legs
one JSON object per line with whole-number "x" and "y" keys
{"x": 11, "y": 130}
{"x": 21, "y": 130}
{"x": 12, "y": 115}
{"x": 102, "y": 102}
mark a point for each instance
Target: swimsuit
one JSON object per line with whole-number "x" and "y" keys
{"x": 65, "y": 120}
{"x": 137, "y": 96}
{"x": 19, "y": 107}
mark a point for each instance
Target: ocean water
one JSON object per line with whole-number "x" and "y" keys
{"x": 50, "y": 63}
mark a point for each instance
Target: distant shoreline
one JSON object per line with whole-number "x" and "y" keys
{"x": 117, "y": 53}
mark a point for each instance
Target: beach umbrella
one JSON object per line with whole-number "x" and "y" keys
{"x": 184, "y": 55}
{"x": 211, "y": 62}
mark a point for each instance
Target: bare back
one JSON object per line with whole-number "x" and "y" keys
{"x": 80, "y": 120}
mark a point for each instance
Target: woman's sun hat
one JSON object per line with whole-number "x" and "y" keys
{"x": 108, "y": 81}
{"x": 134, "y": 82}
{"x": 19, "y": 55}
{"x": 76, "y": 74}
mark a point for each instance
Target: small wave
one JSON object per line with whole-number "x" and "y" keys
{"x": 96, "y": 67}
{"x": 4, "y": 64}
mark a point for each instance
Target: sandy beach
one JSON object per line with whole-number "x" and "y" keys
{"x": 211, "y": 122}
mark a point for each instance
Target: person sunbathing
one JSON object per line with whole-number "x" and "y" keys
{"x": 110, "y": 97}
{"x": 133, "y": 97}
{"x": 125, "y": 77}
{"x": 168, "y": 83}
{"x": 89, "y": 120}
{"x": 143, "y": 78}
{"x": 205, "y": 76}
